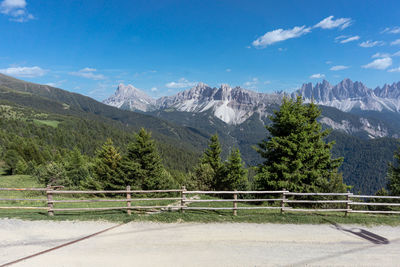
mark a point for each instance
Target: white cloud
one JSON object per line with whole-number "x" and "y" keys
{"x": 392, "y": 30}
{"x": 379, "y": 64}
{"x": 394, "y": 70}
{"x": 88, "y": 73}
{"x": 27, "y": 72}
{"x": 88, "y": 69}
{"x": 330, "y": 23}
{"x": 396, "y": 42}
{"x": 280, "y": 35}
{"x": 267, "y": 82}
{"x": 154, "y": 89}
{"x": 328, "y": 62}
{"x": 16, "y": 9}
{"x": 397, "y": 54}
{"x": 252, "y": 84}
{"x": 317, "y": 76}
{"x": 339, "y": 67}
{"x": 181, "y": 83}
{"x": 228, "y": 70}
{"x": 379, "y": 55}
{"x": 370, "y": 43}
{"x": 350, "y": 39}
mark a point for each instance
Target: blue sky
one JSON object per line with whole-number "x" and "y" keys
{"x": 163, "y": 47}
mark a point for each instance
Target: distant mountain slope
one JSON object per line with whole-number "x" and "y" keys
{"x": 85, "y": 106}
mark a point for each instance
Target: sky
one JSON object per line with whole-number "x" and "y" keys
{"x": 163, "y": 47}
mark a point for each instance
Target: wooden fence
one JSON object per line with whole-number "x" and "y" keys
{"x": 283, "y": 200}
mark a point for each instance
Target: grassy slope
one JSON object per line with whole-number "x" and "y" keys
{"x": 253, "y": 216}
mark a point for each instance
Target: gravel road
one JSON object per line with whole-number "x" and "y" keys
{"x": 190, "y": 244}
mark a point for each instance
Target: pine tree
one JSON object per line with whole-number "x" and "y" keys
{"x": 143, "y": 164}
{"x": 107, "y": 167}
{"x": 394, "y": 175}
{"x": 212, "y": 157}
{"x": 76, "y": 167}
{"x": 295, "y": 155}
{"x": 234, "y": 174}
{"x": 202, "y": 178}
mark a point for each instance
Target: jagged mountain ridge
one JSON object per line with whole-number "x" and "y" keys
{"x": 231, "y": 105}
{"x": 348, "y": 95}
{"x": 235, "y": 105}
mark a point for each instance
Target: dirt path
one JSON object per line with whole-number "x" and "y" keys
{"x": 186, "y": 244}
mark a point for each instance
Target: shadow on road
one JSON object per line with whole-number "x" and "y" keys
{"x": 364, "y": 234}
{"x": 375, "y": 239}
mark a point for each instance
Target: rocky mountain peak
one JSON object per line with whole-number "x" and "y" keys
{"x": 129, "y": 97}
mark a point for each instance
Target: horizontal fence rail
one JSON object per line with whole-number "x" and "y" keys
{"x": 182, "y": 200}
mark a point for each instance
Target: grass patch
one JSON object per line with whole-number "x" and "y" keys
{"x": 50, "y": 123}
{"x": 244, "y": 216}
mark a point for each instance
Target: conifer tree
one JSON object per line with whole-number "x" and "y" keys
{"x": 76, "y": 167}
{"x": 202, "y": 178}
{"x": 234, "y": 174}
{"x": 143, "y": 163}
{"x": 295, "y": 155}
{"x": 212, "y": 155}
{"x": 394, "y": 175}
{"x": 212, "y": 158}
{"x": 107, "y": 167}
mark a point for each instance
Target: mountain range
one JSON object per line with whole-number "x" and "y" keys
{"x": 182, "y": 125}
{"x": 235, "y": 105}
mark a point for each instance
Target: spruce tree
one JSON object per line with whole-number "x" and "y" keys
{"x": 202, "y": 178}
{"x": 143, "y": 164}
{"x": 212, "y": 158}
{"x": 234, "y": 174}
{"x": 107, "y": 168}
{"x": 77, "y": 167}
{"x": 394, "y": 175}
{"x": 212, "y": 155}
{"x": 296, "y": 157}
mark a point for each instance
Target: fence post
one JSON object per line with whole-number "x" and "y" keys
{"x": 49, "y": 194}
{"x": 183, "y": 198}
{"x": 235, "y": 204}
{"x": 283, "y": 201}
{"x": 348, "y": 203}
{"x": 128, "y": 199}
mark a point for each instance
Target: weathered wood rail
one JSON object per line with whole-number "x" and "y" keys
{"x": 282, "y": 200}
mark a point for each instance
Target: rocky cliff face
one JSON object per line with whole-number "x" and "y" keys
{"x": 348, "y": 95}
{"x": 231, "y": 105}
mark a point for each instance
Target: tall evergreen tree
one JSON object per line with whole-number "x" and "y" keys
{"x": 77, "y": 167}
{"x": 234, "y": 174}
{"x": 107, "y": 167}
{"x": 144, "y": 165}
{"x": 295, "y": 155}
{"x": 394, "y": 175}
{"x": 212, "y": 155}
{"x": 202, "y": 178}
